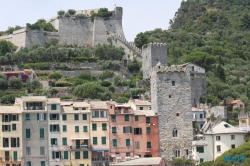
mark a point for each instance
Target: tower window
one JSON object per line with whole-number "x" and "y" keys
{"x": 175, "y": 133}
{"x": 173, "y": 83}
{"x": 169, "y": 96}
{"x": 176, "y": 153}
{"x": 177, "y": 114}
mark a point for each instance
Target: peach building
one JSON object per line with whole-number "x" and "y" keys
{"x": 132, "y": 133}
{"x": 237, "y": 104}
{"x": 11, "y": 135}
{"x": 75, "y": 133}
{"x": 99, "y": 130}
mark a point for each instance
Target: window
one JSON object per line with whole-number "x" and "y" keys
{"x": 233, "y": 146}
{"x": 95, "y": 114}
{"x": 173, "y": 83}
{"x": 217, "y": 138}
{"x": 5, "y": 128}
{"x": 56, "y": 155}
{"x": 15, "y": 155}
{"x": 175, "y": 133}
{"x": 201, "y": 116}
{"x": 95, "y": 141}
{"x": 53, "y": 106}
{"x": 137, "y": 131}
{"x": 127, "y": 142}
{"x": 113, "y": 129}
{"x": 148, "y": 130}
{"x": 28, "y": 163}
{"x": 76, "y": 117}
{"x": 14, "y": 142}
{"x": 200, "y": 149}
{"x": 54, "y": 116}
{"x": 126, "y": 118}
{"x": 84, "y": 116}
{"x": 169, "y": 96}
{"x": 5, "y": 142}
{"x": 113, "y": 118}
{"x": 114, "y": 142}
{"x": 54, "y": 128}
{"x": 176, "y": 153}
{"x": 218, "y": 148}
{"x": 177, "y": 114}
{"x": 75, "y": 109}
{"x": 104, "y": 126}
{"x": 6, "y": 118}
{"x": 232, "y": 136}
{"x": 27, "y": 133}
{"x": 141, "y": 108}
{"x": 27, "y": 116}
{"x": 201, "y": 160}
{"x": 103, "y": 140}
{"x": 103, "y": 114}
{"x": 85, "y": 128}
{"x": 187, "y": 152}
{"x": 14, "y": 117}
{"x": 28, "y": 152}
{"x": 76, "y": 129}
{"x": 41, "y": 116}
{"x": 127, "y": 154}
{"x": 85, "y": 154}
{"x": 42, "y": 133}
{"x": 148, "y": 120}
{"x": 77, "y": 155}
{"x": 65, "y": 155}
{"x": 83, "y": 108}
{"x": 7, "y": 154}
{"x": 94, "y": 127}
{"x": 137, "y": 144}
{"x": 148, "y": 144}
{"x": 64, "y": 128}
{"x": 64, "y": 117}
{"x": 42, "y": 151}
{"x": 53, "y": 141}
{"x": 127, "y": 129}
{"x": 42, "y": 163}
{"x": 136, "y": 118}
{"x": 64, "y": 141}
{"x": 148, "y": 155}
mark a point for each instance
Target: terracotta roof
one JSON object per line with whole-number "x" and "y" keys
{"x": 234, "y": 101}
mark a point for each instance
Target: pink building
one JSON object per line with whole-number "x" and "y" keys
{"x": 237, "y": 104}
{"x": 132, "y": 133}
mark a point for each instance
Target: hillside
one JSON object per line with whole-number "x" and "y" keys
{"x": 216, "y": 35}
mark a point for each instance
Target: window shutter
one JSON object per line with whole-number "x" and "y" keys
{"x": 60, "y": 154}
{"x": 9, "y": 128}
{"x": 15, "y": 155}
{"x": 64, "y": 128}
{"x": 53, "y": 154}
{"x": 27, "y": 133}
{"x": 3, "y": 142}
{"x": 50, "y": 116}
{"x": 50, "y": 128}
{"x": 12, "y": 142}
{"x": 2, "y": 117}
{"x": 124, "y": 130}
{"x": 17, "y": 118}
{"x": 10, "y": 117}
{"x": 41, "y": 133}
{"x": 127, "y": 142}
{"x": 136, "y": 118}
{"x": 65, "y": 155}
{"x": 44, "y": 116}
{"x": 2, "y": 127}
{"x": 114, "y": 142}
{"x": 85, "y": 154}
{"x": 37, "y": 116}
{"x": 17, "y": 141}
{"x": 130, "y": 129}
{"x": 57, "y": 116}
{"x": 85, "y": 128}
{"x": 58, "y": 127}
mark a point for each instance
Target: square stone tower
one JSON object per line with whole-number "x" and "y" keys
{"x": 151, "y": 55}
{"x": 171, "y": 100}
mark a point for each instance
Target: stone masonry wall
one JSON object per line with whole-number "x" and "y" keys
{"x": 151, "y": 55}
{"x": 198, "y": 89}
{"x": 167, "y": 101}
{"x": 34, "y": 37}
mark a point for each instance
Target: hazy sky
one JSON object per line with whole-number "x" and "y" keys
{"x": 138, "y": 15}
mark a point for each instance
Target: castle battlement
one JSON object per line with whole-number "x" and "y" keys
{"x": 173, "y": 68}
{"x": 246, "y": 115}
{"x": 155, "y": 45}
{"x": 123, "y": 40}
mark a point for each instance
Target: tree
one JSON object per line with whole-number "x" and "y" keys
{"x": 85, "y": 76}
{"x": 220, "y": 73}
{"x": 6, "y": 47}
{"x": 35, "y": 84}
{"x": 60, "y": 12}
{"x": 201, "y": 58}
{"x": 245, "y": 21}
{"x": 71, "y": 12}
{"x": 88, "y": 90}
{"x": 55, "y": 75}
{"x": 141, "y": 39}
{"x": 15, "y": 83}
{"x": 109, "y": 52}
{"x": 53, "y": 91}
{"x": 3, "y": 84}
{"x": 8, "y": 99}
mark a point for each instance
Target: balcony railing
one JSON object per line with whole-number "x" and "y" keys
{"x": 34, "y": 108}
{"x": 124, "y": 111}
{"x": 80, "y": 147}
{"x": 98, "y": 159}
{"x": 198, "y": 119}
{"x": 118, "y": 111}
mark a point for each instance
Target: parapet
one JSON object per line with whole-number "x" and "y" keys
{"x": 246, "y": 115}
{"x": 155, "y": 45}
{"x": 173, "y": 68}
{"x": 129, "y": 44}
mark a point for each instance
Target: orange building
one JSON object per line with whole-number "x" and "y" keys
{"x": 132, "y": 133}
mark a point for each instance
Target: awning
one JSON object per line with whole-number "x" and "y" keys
{"x": 79, "y": 138}
{"x": 100, "y": 150}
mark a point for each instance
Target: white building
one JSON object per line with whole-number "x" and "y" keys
{"x": 215, "y": 142}
{"x": 140, "y": 104}
{"x": 198, "y": 116}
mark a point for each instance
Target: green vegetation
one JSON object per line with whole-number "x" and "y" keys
{"x": 6, "y": 47}
{"x": 102, "y": 12}
{"x": 15, "y": 83}
{"x": 10, "y": 30}
{"x": 41, "y": 25}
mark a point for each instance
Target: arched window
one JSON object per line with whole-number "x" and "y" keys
{"x": 176, "y": 153}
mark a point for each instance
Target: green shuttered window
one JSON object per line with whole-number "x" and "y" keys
{"x": 94, "y": 127}
{"x": 64, "y": 128}
{"x": 64, "y": 141}
{"x": 66, "y": 155}
{"x": 85, "y": 154}
{"x": 126, "y": 117}
{"x": 127, "y": 142}
{"x": 85, "y": 128}
{"x": 148, "y": 130}
{"x": 77, "y": 155}
{"x": 42, "y": 133}
{"x": 147, "y": 119}
{"x": 84, "y": 116}
{"x": 76, "y": 129}
{"x": 53, "y": 106}
{"x": 64, "y": 117}
{"x": 113, "y": 129}
{"x": 13, "y": 127}
{"x": 114, "y": 142}
{"x": 27, "y": 133}
{"x": 148, "y": 144}
{"x": 104, "y": 126}
{"x": 136, "y": 118}
{"x": 76, "y": 117}
{"x": 103, "y": 140}
{"x": 95, "y": 141}
{"x": 42, "y": 163}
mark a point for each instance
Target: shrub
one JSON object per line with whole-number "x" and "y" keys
{"x": 55, "y": 75}
{"x": 137, "y": 91}
{"x": 122, "y": 100}
{"x": 135, "y": 67}
{"x": 111, "y": 88}
{"x": 111, "y": 65}
{"x": 106, "y": 74}
{"x": 38, "y": 65}
{"x": 53, "y": 91}
{"x": 3, "y": 84}
{"x": 79, "y": 81}
{"x": 88, "y": 90}
{"x": 71, "y": 12}
{"x": 106, "y": 83}
{"x": 67, "y": 97}
{"x": 15, "y": 83}
{"x": 8, "y": 99}
{"x": 63, "y": 84}
{"x": 80, "y": 16}
{"x": 60, "y": 12}
{"x": 85, "y": 76}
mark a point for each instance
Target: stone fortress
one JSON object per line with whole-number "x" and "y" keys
{"x": 78, "y": 31}
{"x": 174, "y": 91}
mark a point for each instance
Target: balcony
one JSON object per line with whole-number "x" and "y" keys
{"x": 100, "y": 159}
{"x": 199, "y": 143}
{"x": 80, "y": 148}
{"x": 34, "y": 108}
{"x": 118, "y": 111}
{"x": 126, "y": 111}
{"x": 199, "y": 119}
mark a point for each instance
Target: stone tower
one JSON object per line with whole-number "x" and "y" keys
{"x": 151, "y": 55}
{"x": 171, "y": 100}
{"x": 118, "y": 12}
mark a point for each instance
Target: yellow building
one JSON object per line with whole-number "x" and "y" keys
{"x": 11, "y": 135}
{"x": 75, "y": 120}
{"x": 99, "y": 133}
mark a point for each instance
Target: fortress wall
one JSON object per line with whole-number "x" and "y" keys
{"x": 104, "y": 29}
{"x": 75, "y": 31}
{"x": 34, "y": 37}
{"x": 198, "y": 89}
{"x": 128, "y": 52}
{"x": 87, "y": 12}
{"x": 55, "y": 23}
{"x": 49, "y": 35}
{"x": 17, "y": 38}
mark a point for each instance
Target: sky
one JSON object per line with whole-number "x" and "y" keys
{"x": 138, "y": 15}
